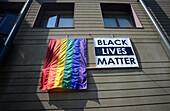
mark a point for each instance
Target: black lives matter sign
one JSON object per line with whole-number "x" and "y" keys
{"x": 114, "y": 52}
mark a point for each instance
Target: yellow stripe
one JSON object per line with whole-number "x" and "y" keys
{"x": 61, "y": 64}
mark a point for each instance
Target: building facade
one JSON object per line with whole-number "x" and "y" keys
{"x": 146, "y": 88}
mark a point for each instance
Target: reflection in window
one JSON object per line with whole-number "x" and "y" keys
{"x": 110, "y": 22}
{"x": 124, "y": 22}
{"x": 60, "y": 21}
{"x": 117, "y": 21}
{"x": 52, "y": 21}
{"x": 66, "y": 21}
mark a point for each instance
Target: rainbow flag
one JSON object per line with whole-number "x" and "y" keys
{"x": 65, "y": 65}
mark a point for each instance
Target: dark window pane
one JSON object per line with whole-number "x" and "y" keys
{"x": 65, "y": 21}
{"x": 4, "y": 38}
{"x": 110, "y": 22}
{"x": 124, "y": 22}
{"x": 7, "y": 23}
{"x": 1, "y": 18}
{"x": 52, "y": 21}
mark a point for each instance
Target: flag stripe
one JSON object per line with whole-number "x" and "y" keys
{"x": 82, "y": 65}
{"x": 54, "y": 64}
{"x": 46, "y": 68}
{"x": 68, "y": 64}
{"x": 75, "y": 65}
{"x": 61, "y": 63}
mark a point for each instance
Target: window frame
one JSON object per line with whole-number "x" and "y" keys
{"x": 57, "y": 12}
{"x": 130, "y": 13}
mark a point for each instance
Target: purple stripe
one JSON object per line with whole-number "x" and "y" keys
{"x": 82, "y": 65}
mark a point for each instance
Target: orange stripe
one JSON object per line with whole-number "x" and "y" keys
{"x": 54, "y": 64}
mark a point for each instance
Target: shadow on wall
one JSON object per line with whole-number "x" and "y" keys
{"x": 67, "y": 99}
{"x": 73, "y": 99}
{"x": 137, "y": 55}
{"x": 80, "y": 100}
{"x": 21, "y": 71}
{"x": 160, "y": 15}
{"x": 21, "y": 76}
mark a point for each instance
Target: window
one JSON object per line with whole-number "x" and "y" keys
{"x": 8, "y": 14}
{"x": 54, "y": 15}
{"x": 119, "y": 15}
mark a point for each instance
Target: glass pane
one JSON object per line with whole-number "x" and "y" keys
{"x": 65, "y": 21}
{"x": 52, "y": 21}
{"x": 124, "y": 22}
{"x": 4, "y": 38}
{"x": 110, "y": 22}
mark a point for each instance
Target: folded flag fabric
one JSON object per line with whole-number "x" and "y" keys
{"x": 65, "y": 65}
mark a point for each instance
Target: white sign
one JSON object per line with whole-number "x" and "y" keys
{"x": 114, "y": 52}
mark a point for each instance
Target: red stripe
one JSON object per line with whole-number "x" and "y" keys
{"x": 47, "y": 64}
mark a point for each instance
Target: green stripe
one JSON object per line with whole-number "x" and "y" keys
{"x": 68, "y": 64}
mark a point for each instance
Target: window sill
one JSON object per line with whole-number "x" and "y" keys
{"x": 54, "y": 27}
{"x": 124, "y": 27}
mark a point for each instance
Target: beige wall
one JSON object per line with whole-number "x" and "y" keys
{"x": 142, "y": 89}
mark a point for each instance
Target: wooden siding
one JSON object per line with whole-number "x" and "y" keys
{"x": 146, "y": 88}
{"x": 161, "y": 11}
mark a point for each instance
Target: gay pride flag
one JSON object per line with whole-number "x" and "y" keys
{"x": 65, "y": 65}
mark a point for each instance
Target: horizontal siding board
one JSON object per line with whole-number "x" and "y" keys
{"x": 143, "y": 65}
{"x": 83, "y": 32}
{"x": 119, "y": 30}
{"x": 77, "y": 20}
{"x": 93, "y": 73}
{"x": 167, "y": 90}
{"x": 29, "y": 26}
{"x": 95, "y": 80}
{"x": 45, "y": 41}
{"x": 36, "y": 30}
{"x": 134, "y": 36}
{"x": 87, "y": 23}
{"x": 90, "y": 104}
{"x": 88, "y": 14}
{"x": 154, "y": 107}
{"x": 27, "y": 67}
{"x": 91, "y": 87}
{"x": 144, "y": 36}
{"x": 82, "y": 95}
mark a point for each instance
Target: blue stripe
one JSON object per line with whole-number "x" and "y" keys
{"x": 75, "y": 65}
